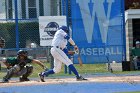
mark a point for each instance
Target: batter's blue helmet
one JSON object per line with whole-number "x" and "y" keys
{"x": 65, "y": 28}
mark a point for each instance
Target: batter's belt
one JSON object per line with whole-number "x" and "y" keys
{"x": 57, "y": 47}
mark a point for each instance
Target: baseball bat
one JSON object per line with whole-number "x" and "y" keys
{"x": 80, "y": 60}
{"x": 79, "y": 57}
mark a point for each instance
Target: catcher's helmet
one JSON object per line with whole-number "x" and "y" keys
{"x": 65, "y": 28}
{"x": 22, "y": 52}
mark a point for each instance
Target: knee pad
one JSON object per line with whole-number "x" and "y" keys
{"x": 15, "y": 68}
{"x": 29, "y": 68}
{"x": 12, "y": 71}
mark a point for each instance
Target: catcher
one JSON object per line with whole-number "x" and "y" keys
{"x": 17, "y": 66}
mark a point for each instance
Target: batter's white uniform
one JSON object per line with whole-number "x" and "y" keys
{"x": 58, "y": 44}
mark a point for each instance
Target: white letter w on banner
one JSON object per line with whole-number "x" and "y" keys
{"x": 88, "y": 17}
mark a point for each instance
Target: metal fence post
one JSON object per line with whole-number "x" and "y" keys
{"x": 16, "y": 24}
{"x": 124, "y": 34}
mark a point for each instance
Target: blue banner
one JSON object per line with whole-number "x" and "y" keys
{"x": 98, "y": 30}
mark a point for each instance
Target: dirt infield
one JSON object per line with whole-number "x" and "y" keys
{"x": 127, "y": 79}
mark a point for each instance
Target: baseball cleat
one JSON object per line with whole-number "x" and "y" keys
{"x": 21, "y": 79}
{"x": 80, "y": 78}
{"x": 5, "y": 80}
{"x": 41, "y": 77}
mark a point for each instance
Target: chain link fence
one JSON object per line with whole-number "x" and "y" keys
{"x": 19, "y": 26}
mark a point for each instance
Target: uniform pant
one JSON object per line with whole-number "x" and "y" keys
{"x": 59, "y": 58}
{"x": 17, "y": 71}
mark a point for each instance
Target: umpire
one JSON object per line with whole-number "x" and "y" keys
{"x": 17, "y": 66}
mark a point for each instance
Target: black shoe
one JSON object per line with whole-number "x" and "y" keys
{"x": 80, "y": 78}
{"x": 41, "y": 77}
{"x": 21, "y": 79}
{"x": 5, "y": 80}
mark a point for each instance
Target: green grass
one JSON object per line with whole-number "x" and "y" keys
{"x": 88, "y": 68}
{"x": 85, "y": 69}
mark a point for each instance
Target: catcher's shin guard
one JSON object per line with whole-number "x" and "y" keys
{"x": 28, "y": 73}
{"x": 9, "y": 74}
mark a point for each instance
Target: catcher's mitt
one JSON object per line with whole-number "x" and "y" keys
{"x": 2, "y": 42}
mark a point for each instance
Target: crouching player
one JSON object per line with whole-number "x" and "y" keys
{"x": 18, "y": 66}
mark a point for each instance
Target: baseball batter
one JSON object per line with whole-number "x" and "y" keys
{"x": 59, "y": 42}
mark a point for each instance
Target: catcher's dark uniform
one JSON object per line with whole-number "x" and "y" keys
{"x": 18, "y": 68}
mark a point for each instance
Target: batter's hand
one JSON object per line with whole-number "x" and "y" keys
{"x": 76, "y": 47}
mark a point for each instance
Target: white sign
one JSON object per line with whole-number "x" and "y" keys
{"x": 48, "y": 25}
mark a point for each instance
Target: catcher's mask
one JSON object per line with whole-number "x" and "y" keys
{"x": 65, "y": 28}
{"x": 22, "y": 53}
